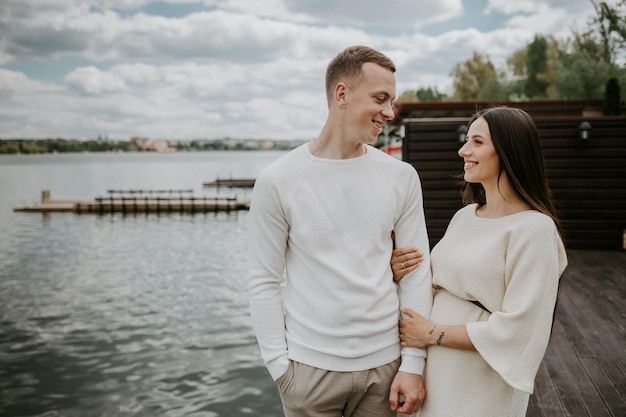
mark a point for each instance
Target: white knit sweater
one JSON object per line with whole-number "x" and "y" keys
{"x": 321, "y": 288}
{"x": 512, "y": 266}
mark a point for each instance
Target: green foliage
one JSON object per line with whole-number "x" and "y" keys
{"x": 469, "y": 77}
{"x": 407, "y": 97}
{"x": 609, "y": 27}
{"x": 583, "y": 72}
{"x": 516, "y": 64}
{"x": 31, "y": 148}
{"x": 429, "y": 94}
{"x": 492, "y": 89}
{"x": 538, "y": 73}
{"x": 589, "y": 59}
{"x": 421, "y": 94}
{"x": 10, "y": 146}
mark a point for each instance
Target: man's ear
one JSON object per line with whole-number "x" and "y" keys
{"x": 341, "y": 94}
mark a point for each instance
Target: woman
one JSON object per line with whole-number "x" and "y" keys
{"x": 495, "y": 276}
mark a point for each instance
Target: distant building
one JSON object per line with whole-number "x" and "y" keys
{"x": 156, "y": 145}
{"x": 251, "y": 145}
{"x": 266, "y": 144}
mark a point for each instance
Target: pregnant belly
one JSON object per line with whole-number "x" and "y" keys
{"x": 450, "y": 309}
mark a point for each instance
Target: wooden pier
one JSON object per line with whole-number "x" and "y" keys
{"x": 231, "y": 183}
{"x": 140, "y": 201}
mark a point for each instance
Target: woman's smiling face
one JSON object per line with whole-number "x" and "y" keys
{"x": 481, "y": 163}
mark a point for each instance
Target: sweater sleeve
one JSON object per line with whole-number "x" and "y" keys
{"x": 415, "y": 289}
{"x": 513, "y": 340}
{"x": 267, "y": 243}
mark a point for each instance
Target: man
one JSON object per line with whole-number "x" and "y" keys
{"x": 323, "y": 301}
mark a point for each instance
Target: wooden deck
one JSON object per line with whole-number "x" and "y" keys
{"x": 138, "y": 201}
{"x": 584, "y": 370}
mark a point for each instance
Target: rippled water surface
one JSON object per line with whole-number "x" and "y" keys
{"x": 126, "y": 315}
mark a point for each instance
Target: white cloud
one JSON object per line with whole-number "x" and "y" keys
{"x": 557, "y": 17}
{"x": 518, "y": 6}
{"x": 16, "y": 83}
{"x": 91, "y": 80}
{"x": 394, "y": 13}
{"x": 237, "y": 68}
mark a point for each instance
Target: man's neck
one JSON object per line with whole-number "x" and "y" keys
{"x": 335, "y": 145}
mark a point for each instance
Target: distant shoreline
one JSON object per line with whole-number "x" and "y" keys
{"x": 59, "y": 145}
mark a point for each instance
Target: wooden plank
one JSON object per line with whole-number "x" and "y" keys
{"x": 613, "y": 401}
{"x": 231, "y": 182}
{"x": 585, "y": 175}
{"x": 574, "y": 323}
{"x": 545, "y": 400}
{"x": 563, "y": 370}
{"x": 585, "y": 360}
{"x": 573, "y": 320}
{"x": 595, "y": 183}
{"x": 47, "y": 208}
{"x": 593, "y": 275}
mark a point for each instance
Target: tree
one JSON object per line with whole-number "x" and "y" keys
{"x": 538, "y": 73}
{"x": 582, "y": 69}
{"x": 579, "y": 74}
{"x": 471, "y": 76}
{"x": 610, "y": 26}
{"x": 422, "y": 94}
{"x": 612, "y": 100}
{"x": 512, "y": 76}
{"x": 574, "y": 68}
{"x": 407, "y": 97}
{"x": 492, "y": 89}
{"x": 589, "y": 59}
{"x": 429, "y": 94}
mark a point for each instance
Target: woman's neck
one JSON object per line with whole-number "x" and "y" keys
{"x": 502, "y": 201}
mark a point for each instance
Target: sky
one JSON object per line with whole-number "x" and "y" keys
{"x": 244, "y": 69}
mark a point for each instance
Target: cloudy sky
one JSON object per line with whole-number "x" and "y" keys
{"x": 192, "y": 69}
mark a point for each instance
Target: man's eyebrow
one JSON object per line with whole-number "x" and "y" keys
{"x": 383, "y": 93}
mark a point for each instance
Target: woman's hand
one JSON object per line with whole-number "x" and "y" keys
{"x": 416, "y": 331}
{"x": 405, "y": 260}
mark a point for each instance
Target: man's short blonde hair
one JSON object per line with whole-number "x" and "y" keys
{"x": 347, "y": 65}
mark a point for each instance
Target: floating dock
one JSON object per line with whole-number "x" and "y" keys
{"x": 140, "y": 201}
{"x": 231, "y": 183}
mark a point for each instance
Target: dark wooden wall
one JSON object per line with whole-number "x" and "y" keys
{"x": 587, "y": 178}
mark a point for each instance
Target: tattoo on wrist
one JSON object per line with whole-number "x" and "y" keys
{"x": 432, "y": 330}
{"x": 440, "y": 338}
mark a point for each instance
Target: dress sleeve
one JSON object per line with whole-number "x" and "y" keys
{"x": 513, "y": 341}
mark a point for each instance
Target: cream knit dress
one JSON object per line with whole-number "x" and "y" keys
{"x": 512, "y": 266}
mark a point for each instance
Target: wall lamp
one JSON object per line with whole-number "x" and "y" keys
{"x": 461, "y": 132}
{"x": 584, "y": 130}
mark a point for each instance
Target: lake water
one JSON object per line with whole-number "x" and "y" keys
{"x": 126, "y": 315}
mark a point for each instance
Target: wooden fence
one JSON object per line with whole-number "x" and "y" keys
{"x": 587, "y": 177}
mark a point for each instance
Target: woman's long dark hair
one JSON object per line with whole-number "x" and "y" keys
{"x": 516, "y": 140}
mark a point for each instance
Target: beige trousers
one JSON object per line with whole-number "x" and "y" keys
{"x": 311, "y": 392}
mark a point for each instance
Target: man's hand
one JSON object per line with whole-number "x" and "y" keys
{"x": 407, "y": 393}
